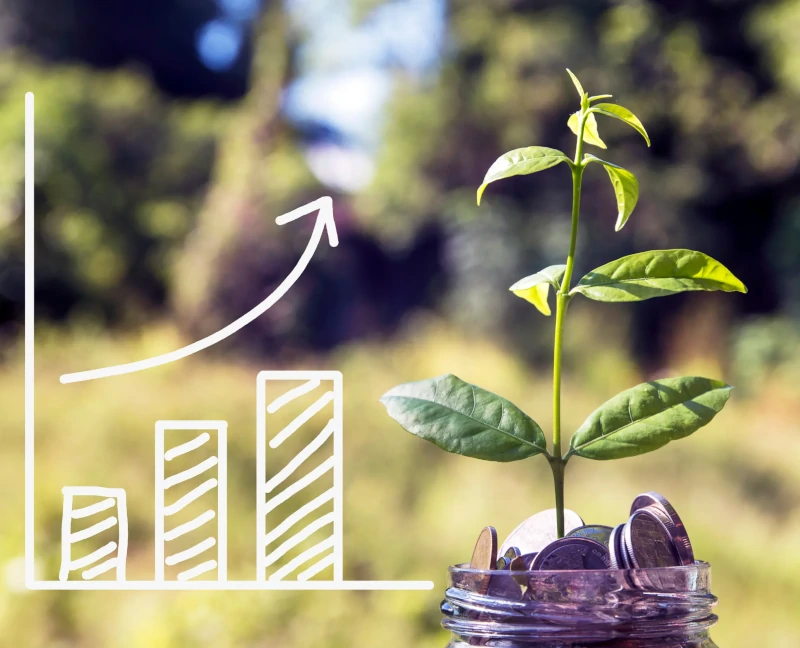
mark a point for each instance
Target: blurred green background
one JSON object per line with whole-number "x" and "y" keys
{"x": 171, "y": 134}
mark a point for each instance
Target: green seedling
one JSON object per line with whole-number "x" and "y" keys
{"x": 471, "y": 421}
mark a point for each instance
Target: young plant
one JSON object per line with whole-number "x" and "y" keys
{"x": 471, "y": 421}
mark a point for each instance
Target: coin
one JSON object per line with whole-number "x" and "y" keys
{"x": 596, "y": 532}
{"x": 615, "y": 547}
{"x": 680, "y": 537}
{"x": 523, "y": 562}
{"x": 539, "y": 530}
{"x": 572, "y": 553}
{"x": 484, "y": 556}
{"x": 648, "y": 539}
{"x": 505, "y": 560}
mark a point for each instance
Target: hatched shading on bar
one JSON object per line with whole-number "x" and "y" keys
{"x": 299, "y": 475}
{"x": 191, "y": 500}
{"x": 94, "y": 532}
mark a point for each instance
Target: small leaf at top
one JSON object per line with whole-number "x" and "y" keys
{"x": 535, "y": 288}
{"x": 577, "y": 83}
{"x": 590, "y": 134}
{"x": 626, "y": 189}
{"x": 596, "y": 97}
{"x": 648, "y": 416}
{"x": 623, "y": 114}
{"x": 656, "y": 273}
{"x": 522, "y": 161}
{"x": 464, "y": 419}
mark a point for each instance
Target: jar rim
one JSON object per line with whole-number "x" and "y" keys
{"x": 463, "y": 569}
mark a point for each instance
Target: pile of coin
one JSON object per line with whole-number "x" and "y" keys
{"x": 654, "y": 536}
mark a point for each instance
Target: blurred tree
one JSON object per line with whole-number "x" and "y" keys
{"x": 160, "y": 36}
{"x": 722, "y": 167}
{"x": 118, "y": 172}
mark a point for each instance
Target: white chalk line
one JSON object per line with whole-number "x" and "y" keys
{"x": 301, "y": 457}
{"x": 77, "y": 536}
{"x": 186, "y": 527}
{"x": 302, "y": 558}
{"x": 102, "y": 552}
{"x": 190, "y": 497}
{"x": 290, "y": 429}
{"x": 298, "y": 515}
{"x": 30, "y": 301}
{"x": 290, "y": 395}
{"x": 233, "y": 586}
{"x": 182, "y": 449}
{"x": 102, "y": 568}
{"x": 300, "y": 484}
{"x": 93, "y": 491}
{"x": 99, "y": 507}
{"x": 296, "y": 539}
{"x": 202, "y": 568}
{"x": 316, "y": 569}
{"x": 325, "y": 221}
{"x": 189, "y": 473}
{"x": 187, "y": 554}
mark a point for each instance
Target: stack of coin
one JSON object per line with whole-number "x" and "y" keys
{"x": 653, "y": 536}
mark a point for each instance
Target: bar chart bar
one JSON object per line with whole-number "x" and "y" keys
{"x": 95, "y": 510}
{"x": 299, "y": 474}
{"x": 186, "y": 459}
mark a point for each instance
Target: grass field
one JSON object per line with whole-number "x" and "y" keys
{"x": 410, "y": 509}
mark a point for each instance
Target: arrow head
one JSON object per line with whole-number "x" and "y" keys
{"x": 324, "y": 208}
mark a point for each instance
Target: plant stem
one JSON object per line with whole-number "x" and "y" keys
{"x": 558, "y": 462}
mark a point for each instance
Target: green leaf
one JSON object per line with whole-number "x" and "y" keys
{"x": 623, "y": 114}
{"x": 577, "y": 83}
{"x": 590, "y": 134}
{"x": 464, "y": 419}
{"x": 648, "y": 416}
{"x": 522, "y": 161}
{"x": 535, "y": 288}
{"x": 596, "y": 97}
{"x": 656, "y": 273}
{"x": 626, "y": 189}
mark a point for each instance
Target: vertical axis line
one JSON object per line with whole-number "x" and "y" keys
{"x": 122, "y": 547}
{"x": 338, "y": 479}
{"x": 66, "y": 531}
{"x": 261, "y": 475}
{"x": 159, "y": 508}
{"x": 30, "y": 563}
{"x": 222, "y": 502}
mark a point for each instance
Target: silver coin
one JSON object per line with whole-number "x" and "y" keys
{"x": 572, "y": 553}
{"x": 680, "y": 537}
{"x": 538, "y": 531}
{"x": 615, "y": 548}
{"x": 596, "y": 532}
{"x": 648, "y": 540}
{"x": 504, "y": 561}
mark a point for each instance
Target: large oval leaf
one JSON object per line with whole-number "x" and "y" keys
{"x": 464, "y": 419}
{"x": 623, "y": 114}
{"x": 535, "y": 288}
{"x": 626, "y": 189}
{"x": 656, "y": 273}
{"x": 648, "y": 416}
{"x": 590, "y": 134}
{"x": 522, "y": 161}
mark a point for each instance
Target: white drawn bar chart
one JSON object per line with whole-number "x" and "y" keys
{"x": 190, "y": 467}
{"x": 99, "y": 512}
{"x": 299, "y": 474}
{"x": 299, "y": 468}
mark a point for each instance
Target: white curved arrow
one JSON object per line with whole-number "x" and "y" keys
{"x": 325, "y": 221}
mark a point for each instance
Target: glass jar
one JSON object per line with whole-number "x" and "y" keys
{"x": 626, "y": 608}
